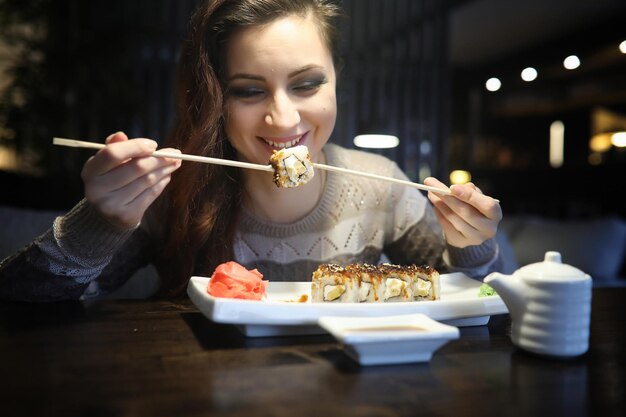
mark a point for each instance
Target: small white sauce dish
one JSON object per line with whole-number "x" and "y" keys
{"x": 388, "y": 340}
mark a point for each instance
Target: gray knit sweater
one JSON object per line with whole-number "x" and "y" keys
{"x": 356, "y": 220}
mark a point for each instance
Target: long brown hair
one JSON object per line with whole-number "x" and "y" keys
{"x": 201, "y": 204}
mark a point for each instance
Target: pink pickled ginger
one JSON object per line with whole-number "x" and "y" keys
{"x": 231, "y": 280}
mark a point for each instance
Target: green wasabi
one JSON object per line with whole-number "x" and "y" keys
{"x": 485, "y": 291}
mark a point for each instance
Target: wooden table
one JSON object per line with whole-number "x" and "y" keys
{"x": 156, "y": 358}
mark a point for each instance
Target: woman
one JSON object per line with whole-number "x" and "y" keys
{"x": 255, "y": 76}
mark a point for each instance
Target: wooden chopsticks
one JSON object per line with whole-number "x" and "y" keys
{"x": 164, "y": 154}
{"x": 217, "y": 161}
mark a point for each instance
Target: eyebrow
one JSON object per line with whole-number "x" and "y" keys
{"x": 290, "y": 75}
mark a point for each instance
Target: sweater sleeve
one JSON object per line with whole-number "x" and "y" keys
{"x": 79, "y": 248}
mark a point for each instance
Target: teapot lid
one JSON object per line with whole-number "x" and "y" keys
{"x": 552, "y": 269}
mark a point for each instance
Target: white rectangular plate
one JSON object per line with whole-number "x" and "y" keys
{"x": 281, "y": 313}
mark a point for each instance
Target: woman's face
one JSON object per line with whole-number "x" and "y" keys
{"x": 281, "y": 89}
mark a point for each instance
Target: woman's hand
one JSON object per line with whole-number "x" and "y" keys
{"x": 122, "y": 180}
{"x": 467, "y": 217}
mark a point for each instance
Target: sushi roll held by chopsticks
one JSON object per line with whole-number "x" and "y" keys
{"x": 292, "y": 166}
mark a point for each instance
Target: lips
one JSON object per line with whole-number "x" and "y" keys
{"x": 284, "y": 142}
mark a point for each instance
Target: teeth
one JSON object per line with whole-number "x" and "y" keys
{"x": 282, "y": 145}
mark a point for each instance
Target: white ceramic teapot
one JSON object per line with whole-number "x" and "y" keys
{"x": 550, "y": 306}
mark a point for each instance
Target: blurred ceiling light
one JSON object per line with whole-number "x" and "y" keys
{"x": 619, "y": 139}
{"x": 493, "y": 84}
{"x": 529, "y": 74}
{"x": 459, "y": 176}
{"x": 622, "y": 47}
{"x": 600, "y": 143}
{"x": 571, "y": 62}
{"x": 376, "y": 141}
{"x": 8, "y": 159}
{"x": 557, "y": 143}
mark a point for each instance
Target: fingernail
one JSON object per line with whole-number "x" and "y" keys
{"x": 150, "y": 143}
{"x": 457, "y": 190}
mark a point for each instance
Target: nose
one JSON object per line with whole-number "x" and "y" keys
{"x": 282, "y": 111}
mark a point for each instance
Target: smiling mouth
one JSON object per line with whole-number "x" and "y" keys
{"x": 284, "y": 142}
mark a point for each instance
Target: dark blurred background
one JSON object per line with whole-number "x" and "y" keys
{"x": 413, "y": 68}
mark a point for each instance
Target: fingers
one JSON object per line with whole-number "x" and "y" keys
{"x": 123, "y": 179}
{"x": 143, "y": 200}
{"x": 126, "y": 205}
{"x": 131, "y": 170}
{"x": 472, "y": 195}
{"x": 468, "y": 217}
{"x": 463, "y": 230}
{"x": 117, "y": 151}
{"x": 116, "y": 137}
{"x": 466, "y": 200}
{"x": 434, "y": 182}
{"x": 451, "y": 233}
{"x": 131, "y": 178}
